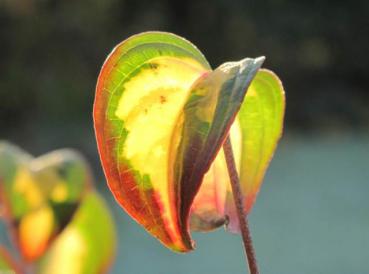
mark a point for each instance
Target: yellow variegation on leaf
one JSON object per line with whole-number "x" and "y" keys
{"x": 140, "y": 93}
{"x": 161, "y": 116}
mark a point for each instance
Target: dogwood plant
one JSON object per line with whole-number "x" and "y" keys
{"x": 161, "y": 117}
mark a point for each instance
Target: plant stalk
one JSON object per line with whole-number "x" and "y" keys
{"x": 237, "y": 196}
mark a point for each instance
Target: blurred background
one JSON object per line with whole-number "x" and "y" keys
{"x": 312, "y": 215}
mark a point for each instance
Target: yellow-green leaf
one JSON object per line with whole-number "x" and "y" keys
{"x": 254, "y": 136}
{"x": 141, "y": 90}
{"x": 207, "y": 117}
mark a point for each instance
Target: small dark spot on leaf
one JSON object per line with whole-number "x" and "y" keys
{"x": 163, "y": 99}
{"x": 153, "y": 66}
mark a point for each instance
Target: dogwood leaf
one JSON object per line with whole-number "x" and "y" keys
{"x": 161, "y": 116}
{"x": 141, "y": 90}
{"x": 254, "y": 136}
{"x": 207, "y": 117}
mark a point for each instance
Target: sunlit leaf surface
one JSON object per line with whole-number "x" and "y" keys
{"x": 254, "y": 136}
{"x": 40, "y": 194}
{"x": 141, "y": 91}
{"x": 87, "y": 245}
{"x": 161, "y": 116}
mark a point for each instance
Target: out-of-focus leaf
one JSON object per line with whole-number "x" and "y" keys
{"x": 203, "y": 126}
{"x": 7, "y": 263}
{"x": 141, "y": 90}
{"x": 40, "y": 194}
{"x": 254, "y": 137}
{"x": 87, "y": 245}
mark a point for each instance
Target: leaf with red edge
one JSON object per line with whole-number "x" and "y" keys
{"x": 140, "y": 93}
{"x": 160, "y": 117}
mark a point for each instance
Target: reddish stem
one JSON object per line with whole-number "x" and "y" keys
{"x": 237, "y": 196}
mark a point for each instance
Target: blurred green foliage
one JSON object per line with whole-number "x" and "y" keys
{"x": 55, "y": 217}
{"x": 51, "y": 52}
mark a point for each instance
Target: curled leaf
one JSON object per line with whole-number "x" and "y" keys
{"x": 254, "y": 135}
{"x": 208, "y": 114}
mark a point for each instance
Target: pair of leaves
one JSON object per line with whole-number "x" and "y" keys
{"x": 50, "y": 203}
{"x": 161, "y": 116}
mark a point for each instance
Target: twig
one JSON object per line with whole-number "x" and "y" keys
{"x": 237, "y": 196}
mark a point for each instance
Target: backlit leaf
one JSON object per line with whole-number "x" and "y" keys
{"x": 254, "y": 136}
{"x": 208, "y": 114}
{"x": 161, "y": 116}
{"x": 141, "y": 90}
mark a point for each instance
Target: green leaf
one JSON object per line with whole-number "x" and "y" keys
{"x": 141, "y": 90}
{"x": 261, "y": 122}
{"x": 254, "y": 136}
{"x": 161, "y": 116}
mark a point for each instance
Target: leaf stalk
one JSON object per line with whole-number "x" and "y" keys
{"x": 242, "y": 217}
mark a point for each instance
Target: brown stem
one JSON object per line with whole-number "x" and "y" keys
{"x": 237, "y": 196}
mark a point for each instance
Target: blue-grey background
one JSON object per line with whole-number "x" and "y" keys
{"x": 312, "y": 215}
